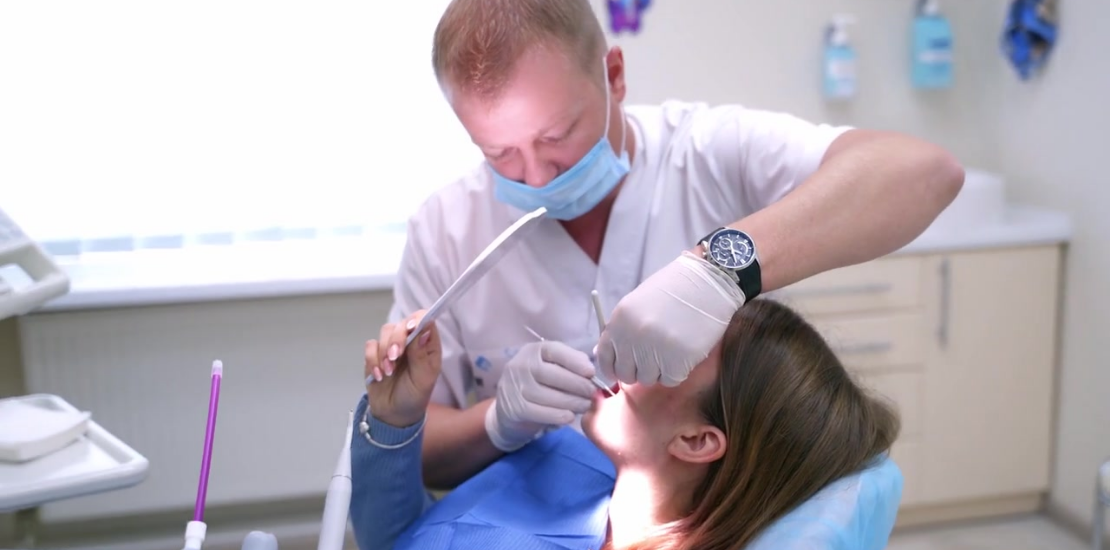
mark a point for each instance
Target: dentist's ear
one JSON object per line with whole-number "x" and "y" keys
{"x": 698, "y": 443}
{"x": 614, "y": 60}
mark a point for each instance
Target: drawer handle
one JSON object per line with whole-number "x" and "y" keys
{"x": 945, "y": 302}
{"x": 865, "y": 348}
{"x": 874, "y": 288}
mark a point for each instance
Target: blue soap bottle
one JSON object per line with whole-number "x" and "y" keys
{"x": 839, "y": 66}
{"x": 931, "y": 66}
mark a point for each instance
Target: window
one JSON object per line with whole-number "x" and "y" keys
{"x": 136, "y": 121}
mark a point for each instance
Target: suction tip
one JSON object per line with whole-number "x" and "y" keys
{"x": 217, "y": 368}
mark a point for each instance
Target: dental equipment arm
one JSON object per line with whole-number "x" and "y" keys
{"x": 333, "y": 528}
{"x": 387, "y": 487}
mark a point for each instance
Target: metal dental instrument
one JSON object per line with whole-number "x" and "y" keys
{"x": 596, "y": 381}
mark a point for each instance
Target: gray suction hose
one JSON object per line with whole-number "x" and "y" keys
{"x": 333, "y": 528}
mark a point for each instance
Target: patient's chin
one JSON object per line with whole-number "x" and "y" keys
{"x": 588, "y": 423}
{"x": 605, "y": 425}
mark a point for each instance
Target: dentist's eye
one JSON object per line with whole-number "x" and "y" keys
{"x": 561, "y": 136}
{"x": 556, "y": 139}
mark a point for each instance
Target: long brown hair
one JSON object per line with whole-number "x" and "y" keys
{"x": 795, "y": 421}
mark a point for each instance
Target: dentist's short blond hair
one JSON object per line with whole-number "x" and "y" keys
{"x": 478, "y": 43}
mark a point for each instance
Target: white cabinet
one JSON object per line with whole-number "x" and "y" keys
{"x": 965, "y": 345}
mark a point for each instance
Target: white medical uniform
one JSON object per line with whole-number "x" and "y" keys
{"x": 696, "y": 168}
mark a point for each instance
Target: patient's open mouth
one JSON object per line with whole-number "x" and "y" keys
{"x": 615, "y": 389}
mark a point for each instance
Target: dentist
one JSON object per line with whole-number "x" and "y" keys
{"x": 676, "y": 213}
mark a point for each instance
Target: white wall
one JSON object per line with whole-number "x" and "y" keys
{"x": 1052, "y": 142}
{"x": 768, "y": 55}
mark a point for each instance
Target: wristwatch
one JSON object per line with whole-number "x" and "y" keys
{"x": 733, "y": 252}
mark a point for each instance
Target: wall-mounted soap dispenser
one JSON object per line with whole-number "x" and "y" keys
{"x": 840, "y": 72}
{"x": 931, "y": 65}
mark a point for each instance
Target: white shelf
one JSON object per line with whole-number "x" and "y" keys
{"x": 94, "y": 463}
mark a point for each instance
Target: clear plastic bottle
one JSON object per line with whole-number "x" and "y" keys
{"x": 932, "y": 48}
{"x": 840, "y": 73}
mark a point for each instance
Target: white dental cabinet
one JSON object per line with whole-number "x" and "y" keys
{"x": 958, "y": 329}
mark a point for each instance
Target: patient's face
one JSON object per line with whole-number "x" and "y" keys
{"x": 636, "y": 425}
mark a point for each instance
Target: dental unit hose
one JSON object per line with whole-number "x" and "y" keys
{"x": 333, "y": 528}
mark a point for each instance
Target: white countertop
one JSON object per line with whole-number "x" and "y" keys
{"x": 360, "y": 264}
{"x": 1020, "y": 226}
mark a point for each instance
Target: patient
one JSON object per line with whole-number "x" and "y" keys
{"x": 762, "y": 425}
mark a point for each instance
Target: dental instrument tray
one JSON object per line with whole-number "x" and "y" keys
{"x": 93, "y": 461}
{"x": 38, "y": 278}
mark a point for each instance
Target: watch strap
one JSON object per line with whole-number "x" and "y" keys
{"x": 751, "y": 281}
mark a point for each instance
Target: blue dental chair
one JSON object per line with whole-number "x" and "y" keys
{"x": 553, "y": 495}
{"x": 856, "y": 512}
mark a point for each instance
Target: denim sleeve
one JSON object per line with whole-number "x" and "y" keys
{"x": 387, "y": 486}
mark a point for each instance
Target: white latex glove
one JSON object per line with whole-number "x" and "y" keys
{"x": 661, "y": 330}
{"x": 544, "y": 385}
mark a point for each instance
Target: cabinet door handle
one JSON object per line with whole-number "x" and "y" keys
{"x": 872, "y": 288}
{"x": 864, "y": 347}
{"x": 945, "y": 299}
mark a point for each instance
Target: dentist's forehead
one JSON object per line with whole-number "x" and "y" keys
{"x": 544, "y": 92}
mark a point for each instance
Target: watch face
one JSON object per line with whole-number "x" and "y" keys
{"x": 731, "y": 249}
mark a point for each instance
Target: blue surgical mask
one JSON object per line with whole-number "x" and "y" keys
{"x": 579, "y": 189}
